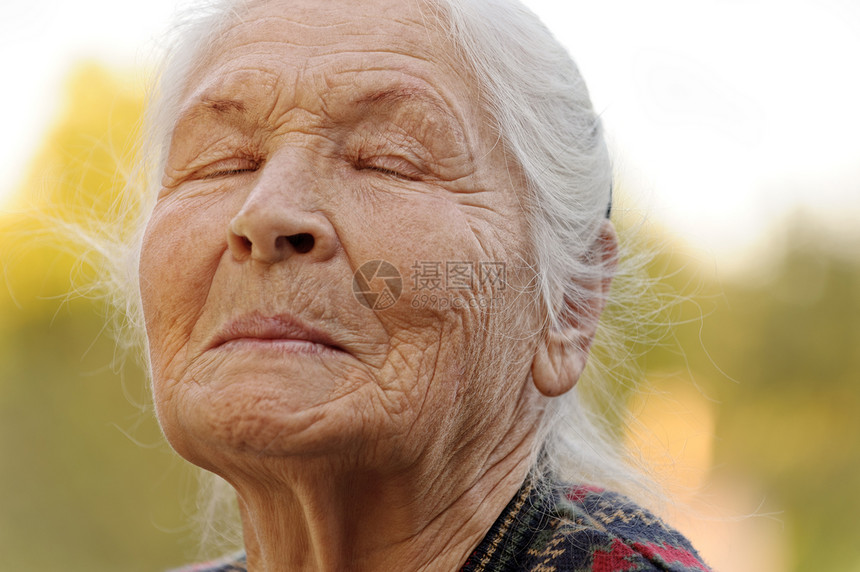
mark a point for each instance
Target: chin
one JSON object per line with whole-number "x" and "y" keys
{"x": 265, "y": 415}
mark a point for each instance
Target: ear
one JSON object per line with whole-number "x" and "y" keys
{"x": 562, "y": 353}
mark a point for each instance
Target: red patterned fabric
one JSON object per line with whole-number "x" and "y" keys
{"x": 567, "y": 528}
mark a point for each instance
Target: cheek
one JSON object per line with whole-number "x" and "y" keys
{"x": 440, "y": 319}
{"x": 179, "y": 254}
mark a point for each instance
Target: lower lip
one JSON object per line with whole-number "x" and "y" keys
{"x": 278, "y": 344}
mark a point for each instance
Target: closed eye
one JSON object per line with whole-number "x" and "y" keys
{"x": 391, "y": 166}
{"x": 228, "y": 168}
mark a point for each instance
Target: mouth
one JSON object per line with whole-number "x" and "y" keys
{"x": 282, "y": 332}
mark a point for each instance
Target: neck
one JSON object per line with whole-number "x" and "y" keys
{"x": 419, "y": 518}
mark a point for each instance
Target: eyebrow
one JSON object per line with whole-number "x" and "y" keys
{"x": 399, "y": 95}
{"x": 223, "y": 105}
{"x": 226, "y": 108}
{"x": 219, "y": 108}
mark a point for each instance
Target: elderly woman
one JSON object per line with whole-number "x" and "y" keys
{"x": 371, "y": 272}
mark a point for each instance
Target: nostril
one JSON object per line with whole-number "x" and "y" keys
{"x": 301, "y": 243}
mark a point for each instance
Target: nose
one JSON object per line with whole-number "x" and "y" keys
{"x": 271, "y": 228}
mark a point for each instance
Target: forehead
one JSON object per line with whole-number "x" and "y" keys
{"x": 315, "y": 48}
{"x": 321, "y": 23}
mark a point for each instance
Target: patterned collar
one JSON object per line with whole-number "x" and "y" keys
{"x": 555, "y": 527}
{"x": 523, "y": 518}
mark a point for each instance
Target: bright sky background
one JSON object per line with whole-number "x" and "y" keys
{"x": 726, "y": 115}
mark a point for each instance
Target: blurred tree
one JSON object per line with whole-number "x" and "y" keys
{"x": 776, "y": 351}
{"x": 791, "y": 339}
{"x": 77, "y": 491}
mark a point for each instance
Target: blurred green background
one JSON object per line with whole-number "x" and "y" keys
{"x": 754, "y": 392}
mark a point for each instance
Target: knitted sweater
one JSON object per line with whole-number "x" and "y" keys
{"x": 571, "y": 529}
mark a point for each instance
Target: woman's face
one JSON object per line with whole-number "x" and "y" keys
{"x": 314, "y": 138}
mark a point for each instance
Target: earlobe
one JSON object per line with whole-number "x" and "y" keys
{"x": 557, "y": 365}
{"x": 562, "y": 353}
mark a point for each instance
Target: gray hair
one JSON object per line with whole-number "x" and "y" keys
{"x": 542, "y": 114}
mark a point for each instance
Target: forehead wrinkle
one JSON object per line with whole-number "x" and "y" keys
{"x": 315, "y": 25}
{"x": 321, "y": 18}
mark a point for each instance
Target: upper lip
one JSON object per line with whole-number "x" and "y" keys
{"x": 277, "y": 327}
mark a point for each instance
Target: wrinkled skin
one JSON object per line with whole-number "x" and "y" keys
{"x": 315, "y": 137}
